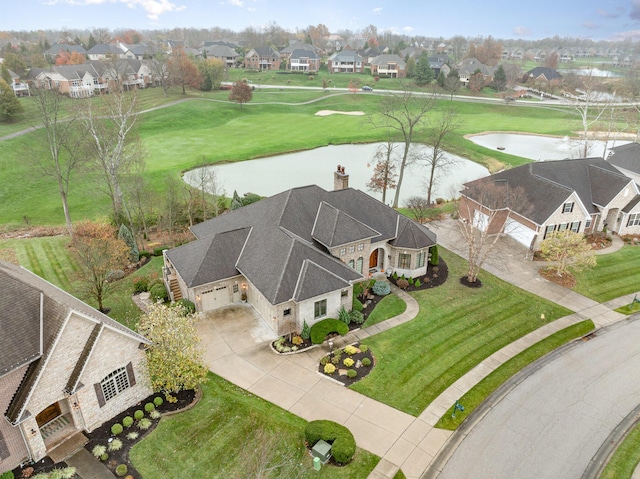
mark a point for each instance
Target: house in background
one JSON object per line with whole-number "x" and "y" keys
{"x": 627, "y": 159}
{"x": 19, "y": 88}
{"x": 64, "y": 367}
{"x": 56, "y": 48}
{"x": 224, "y": 53}
{"x": 303, "y": 60}
{"x": 77, "y": 81}
{"x": 104, "y": 51}
{"x": 389, "y": 65}
{"x": 295, "y": 256}
{"x": 345, "y": 61}
{"x": 262, "y": 58}
{"x": 468, "y": 67}
{"x": 582, "y": 195}
{"x": 541, "y": 74}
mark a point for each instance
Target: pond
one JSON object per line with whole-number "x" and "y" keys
{"x": 541, "y": 148}
{"x": 268, "y": 176}
{"x": 594, "y": 72}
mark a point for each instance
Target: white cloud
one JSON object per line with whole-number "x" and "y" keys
{"x": 590, "y": 25}
{"x": 377, "y": 11}
{"x": 154, "y": 8}
{"x": 236, "y": 3}
{"x": 521, "y": 31}
{"x": 408, "y": 29}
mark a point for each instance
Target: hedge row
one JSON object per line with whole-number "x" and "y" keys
{"x": 343, "y": 445}
{"x": 320, "y": 330}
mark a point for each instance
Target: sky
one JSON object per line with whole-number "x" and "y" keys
{"x": 503, "y": 19}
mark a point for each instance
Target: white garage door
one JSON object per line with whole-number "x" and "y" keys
{"x": 480, "y": 220}
{"x": 215, "y": 298}
{"x": 519, "y": 232}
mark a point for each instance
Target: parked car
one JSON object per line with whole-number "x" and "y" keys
{"x": 367, "y": 88}
{"x": 225, "y": 87}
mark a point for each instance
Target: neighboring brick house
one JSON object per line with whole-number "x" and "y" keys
{"x": 468, "y": 67}
{"x": 389, "y": 65}
{"x": 64, "y": 367}
{"x": 542, "y": 74}
{"x": 296, "y": 255}
{"x": 262, "y": 58}
{"x": 303, "y": 60}
{"x": 345, "y": 61}
{"x": 582, "y": 195}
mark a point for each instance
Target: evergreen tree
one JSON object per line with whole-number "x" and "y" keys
{"x": 207, "y": 84}
{"x": 441, "y": 79}
{"x": 10, "y": 106}
{"x": 125, "y": 235}
{"x": 499, "y": 79}
{"x": 5, "y": 75}
{"x": 236, "y": 202}
{"x": 423, "y": 74}
{"x": 411, "y": 67}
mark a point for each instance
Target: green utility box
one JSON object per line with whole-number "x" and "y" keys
{"x": 322, "y": 450}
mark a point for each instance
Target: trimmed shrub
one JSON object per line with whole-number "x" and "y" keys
{"x": 356, "y": 316}
{"x": 138, "y": 414}
{"x": 352, "y": 373}
{"x": 98, "y": 450}
{"x": 343, "y": 315}
{"x": 329, "y": 368}
{"x": 324, "y": 360}
{"x": 343, "y": 445}
{"x": 297, "y": 340}
{"x": 116, "y": 429}
{"x": 145, "y": 254}
{"x": 104, "y": 457}
{"x": 158, "y": 401}
{"x": 357, "y": 289}
{"x": 188, "y": 307}
{"x": 417, "y": 283}
{"x": 394, "y": 276}
{"x": 410, "y": 281}
{"x": 402, "y": 283}
{"x": 149, "y": 407}
{"x": 158, "y": 251}
{"x": 159, "y": 293}
{"x": 321, "y": 329}
{"x": 381, "y": 288}
{"x": 364, "y": 348}
{"x": 350, "y": 350}
{"x": 348, "y": 362}
{"x": 434, "y": 260}
{"x": 121, "y": 470}
{"x": 115, "y": 445}
{"x": 306, "y": 330}
{"x": 7, "y": 475}
{"x": 357, "y": 305}
{"x": 366, "y": 362}
{"x": 140, "y": 284}
{"x": 127, "y": 421}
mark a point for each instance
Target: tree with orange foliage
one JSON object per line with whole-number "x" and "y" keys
{"x": 69, "y": 58}
{"x": 240, "y": 93}
{"x": 182, "y": 70}
{"x": 99, "y": 253}
{"x": 130, "y": 36}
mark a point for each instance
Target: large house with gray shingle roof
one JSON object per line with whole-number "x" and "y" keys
{"x": 582, "y": 195}
{"x": 64, "y": 367}
{"x": 627, "y": 159}
{"x": 296, "y": 255}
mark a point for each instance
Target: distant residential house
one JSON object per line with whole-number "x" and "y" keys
{"x": 545, "y": 74}
{"x": 389, "y": 65}
{"x": 262, "y": 59}
{"x": 77, "y": 81}
{"x": 227, "y": 55}
{"x": 565, "y": 55}
{"x": 469, "y": 66}
{"x": 128, "y": 72}
{"x": 137, "y": 51}
{"x": 103, "y": 51}
{"x": 345, "y": 61}
{"x": 295, "y": 256}
{"x": 303, "y": 61}
{"x": 582, "y": 195}
{"x": 171, "y": 45}
{"x": 19, "y": 88}
{"x": 64, "y": 367}
{"x": 56, "y": 48}
{"x": 297, "y": 45}
{"x": 439, "y": 64}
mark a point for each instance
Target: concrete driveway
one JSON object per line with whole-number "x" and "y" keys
{"x": 552, "y": 424}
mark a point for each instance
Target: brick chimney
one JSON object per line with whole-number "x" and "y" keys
{"x": 340, "y": 179}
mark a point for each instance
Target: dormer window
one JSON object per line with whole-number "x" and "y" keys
{"x": 567, "y": 207}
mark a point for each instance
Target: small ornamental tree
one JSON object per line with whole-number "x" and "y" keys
{"x": 10, "y": 106}
{"x": 240, "y": 93}
{"x": 174, "y": 357}
{"x": 568, "y": 251}
{"x": 125, "y": 235}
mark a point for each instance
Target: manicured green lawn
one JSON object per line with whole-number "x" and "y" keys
{"x": 390, "y": 306}
{"x": 626, "y": 457}
{"x": 201, "y": 131}
{"x": 229, "y": 434}
{"x": 616, "y": 274}
{"x": 481, "y": 391}
{"x": 457, "y": 327}
{"x": 629, "y": 308}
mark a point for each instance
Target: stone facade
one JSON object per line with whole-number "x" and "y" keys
{"x": 13, "y": 449}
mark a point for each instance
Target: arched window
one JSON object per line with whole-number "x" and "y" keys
{"x": 359, "y": 265}
{"x": 352, "y": 264}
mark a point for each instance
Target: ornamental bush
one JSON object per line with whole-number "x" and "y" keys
{"x": 329, "y": 368}
{"x": 357, "y": 305}
{"x": 410, "y": 281}
{"x": 140, "y": 284}
{"x": 98, "y": 450}
{"x": 352, "y": 373}
{"x": 364, "y": 348}
{"x": 158, "y": 401}
{"x": 381, "y": 288}
{"x": 127, "y": 421}
{"x": 343, "y": 445}
{"x": 343, "y": 315}
{"x": 348, "y": 362}
{"x": 417, "y": 283}
{"x": 306, "y": 330}
{"x": 116, "y": 429}
{"x": 159, "y": 293}
{"x": 356, "y": 316}
{"x": 434, "y": 260}
{"x": 321, "y": 329}
{"x": 138, "y": 414}
{"x": 366, "y": 362}
{"x": 149, "y": 407}
{"x": 144, "y": 423}
{"x": 115, "y": 445}
{"x": 350, "y": 350}
{"x": 402, "y": 283}
{"x": 188, "y": 307}
{"x": 121, "y": 470}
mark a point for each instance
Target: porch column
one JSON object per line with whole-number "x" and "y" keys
{"x": 33, "y": 438}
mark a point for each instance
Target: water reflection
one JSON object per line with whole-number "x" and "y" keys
{"x": 268, "y": 176}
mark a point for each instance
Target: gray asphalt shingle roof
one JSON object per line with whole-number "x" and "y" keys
{"x": 626, "y": 157}
{"x": 280, "y": 242}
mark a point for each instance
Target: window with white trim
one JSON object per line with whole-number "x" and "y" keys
{"x": 320, "y": 308}
{"x": 359, "y": 264}
{"x": 404, "y": 261}
{"x": 235, "y": 288}
{"x": 634, "y": 219}
{"x": 115, "y": 383}
{"x": 352, "y": 264}
{"x": 343, "y": 251}
{"x": 548, "y": 230}
{"x": 567, "y": 207}
{"x": 563, "y": 227}
{"x": 587, "y": 224}
{"x": 420, "y": 259}
{"x": 352, "y": 249}
{"x": 575, "y": 226}
{"x": 360, "y": 246}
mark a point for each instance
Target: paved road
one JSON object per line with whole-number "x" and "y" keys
{"x": 552, "y": 424}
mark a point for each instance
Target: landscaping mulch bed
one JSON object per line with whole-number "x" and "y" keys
{"x": 102, "y": 434}
{"x": 436, "y": 276}
{"x": 567, "y": 280}
{"x": 341, "y": 370}
{"x": 598, "y": 241}
{"x": 44, "y": 465}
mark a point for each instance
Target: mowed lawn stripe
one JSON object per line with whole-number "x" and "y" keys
{"x": 53, "y": 260}
{"x": 456, "y": 328}
{"x": 614, "y": 275}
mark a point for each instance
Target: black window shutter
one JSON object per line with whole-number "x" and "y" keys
{"x": 99, "y": 394}
{"x": 132, "y": 378}
{"x": 571, "y": 211}
{"x": 4, "y": 449}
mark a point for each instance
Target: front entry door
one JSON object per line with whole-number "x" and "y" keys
{"x": 373, "y": 259}
{"x": 48, "y": 414}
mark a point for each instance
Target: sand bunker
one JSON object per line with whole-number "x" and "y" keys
{"x": 334, "y": 112}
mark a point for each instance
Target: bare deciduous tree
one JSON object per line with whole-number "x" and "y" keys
{"x": 384, "y": 169}
{"x": 484, "y": 210}
{"x": 404, "y": 114}
{"x": 569, "y": 251}
{"x": 589, "y": 109}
